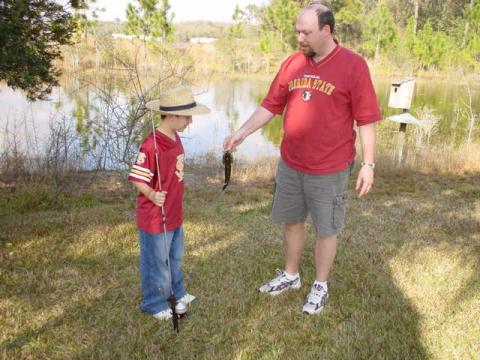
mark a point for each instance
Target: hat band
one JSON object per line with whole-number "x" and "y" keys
{"x": 179, "y": 107}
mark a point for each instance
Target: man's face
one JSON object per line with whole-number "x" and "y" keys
{"x": 310, "y": 38}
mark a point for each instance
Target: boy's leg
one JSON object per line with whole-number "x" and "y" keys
{"x": 154, "y": 272}
{"x": 176, "y": 256}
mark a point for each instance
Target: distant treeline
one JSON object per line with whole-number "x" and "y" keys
{"x": 420, "y": 34}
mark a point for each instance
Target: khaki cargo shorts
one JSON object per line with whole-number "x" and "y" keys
{"x": 324, "y": 197}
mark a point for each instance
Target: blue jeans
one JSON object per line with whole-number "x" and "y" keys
{"x": 156, "y": 282}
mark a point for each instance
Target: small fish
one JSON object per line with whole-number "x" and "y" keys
{"x": 227, "y": 160}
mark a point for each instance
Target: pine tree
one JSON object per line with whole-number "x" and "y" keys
{"x": 31, "y": 34}
{"x": 150, "y": 20}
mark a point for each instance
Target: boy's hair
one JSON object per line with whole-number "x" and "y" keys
{"x": 163, "y": 116}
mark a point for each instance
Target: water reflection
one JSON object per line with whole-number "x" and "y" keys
{"x": 231, "y": 103}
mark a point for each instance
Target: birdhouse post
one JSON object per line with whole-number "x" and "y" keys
{"x": 401, "y": 93}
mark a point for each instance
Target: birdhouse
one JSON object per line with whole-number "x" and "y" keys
{"x": 401, "y": 93}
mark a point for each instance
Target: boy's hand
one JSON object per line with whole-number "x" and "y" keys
{"x": 157, "y": 197}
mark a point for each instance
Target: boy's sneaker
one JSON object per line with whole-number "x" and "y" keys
{"x": 316, "y": 300}
{"x": 280, "y": 283}
{"x": 163, "y": 315}
{"x": 186, "y": 299}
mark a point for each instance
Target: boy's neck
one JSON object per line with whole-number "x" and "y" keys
{"x": 166, "y": 130}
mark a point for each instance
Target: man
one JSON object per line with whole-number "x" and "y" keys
{"x": 320, "y": 91}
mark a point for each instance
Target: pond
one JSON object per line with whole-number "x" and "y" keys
{"x": 232, "y": 102}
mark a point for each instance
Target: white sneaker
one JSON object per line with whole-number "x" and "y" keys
{"x": 186, "y": 299}
{"x": 279, "y": 284}
{"x": 316, "y": 300}
{"x": 163, "y": 315}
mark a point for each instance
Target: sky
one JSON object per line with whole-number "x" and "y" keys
{"x": 185, "y": 10}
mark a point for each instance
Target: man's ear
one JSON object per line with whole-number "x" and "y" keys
{"x": 326, "y": 27}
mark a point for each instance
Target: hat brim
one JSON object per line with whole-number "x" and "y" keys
{"x": 199, "y": 109}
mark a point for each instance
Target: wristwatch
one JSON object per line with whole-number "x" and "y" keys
{"x": 369, "y": 164}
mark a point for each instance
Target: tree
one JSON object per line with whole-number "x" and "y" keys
{"x": 236, "y": 30}
{"x": 381, "y": 32}
{"x": 470, "y": 53}
{"x": 430, "y": 47}
{"x": 349, "y": 18}
{"x": 279, "y": 18}
{"x": 31, "y": 34}
{"x": 82, "y": 24}
{"x": 232, "y": 40}
{"x": 150, "y": 20}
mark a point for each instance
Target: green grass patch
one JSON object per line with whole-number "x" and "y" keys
{"x": 476, "y": 193}
{"x": 36, "y": 197}
{"x": 404, "y": 285}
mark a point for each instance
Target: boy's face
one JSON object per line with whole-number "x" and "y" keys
{"x": 179, "y": 122}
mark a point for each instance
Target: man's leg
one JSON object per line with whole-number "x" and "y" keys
{"x": 325, "y": 251}
{"x": 290, "y": 209}
{"x": 293, "y": 242}
{"x": 326, "y": 198}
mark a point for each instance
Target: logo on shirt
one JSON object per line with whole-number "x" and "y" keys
{"x": 141, "y": 158}
{"x": 306, "y": 96}
{"x": 313, "y": 84}
{"x": 180, "y": 166}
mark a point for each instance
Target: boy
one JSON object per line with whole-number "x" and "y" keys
{"x": 163, "y": 148}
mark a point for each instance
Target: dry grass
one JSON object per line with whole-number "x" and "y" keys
{"x": 405, "y": 283}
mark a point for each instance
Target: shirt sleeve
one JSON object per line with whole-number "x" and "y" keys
{"x": 365, "y": 106}
{"x": 144, "y": 167}
{"x": 276, "y": 98}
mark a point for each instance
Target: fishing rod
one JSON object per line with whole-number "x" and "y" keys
{"x": 171, "y": 299}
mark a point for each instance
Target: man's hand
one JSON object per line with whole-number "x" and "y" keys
{"x": 157, "y": 197}
{"x": 260, "y": 117}
{"x": 232, "y": 141}
{"x": 364, "y": 180}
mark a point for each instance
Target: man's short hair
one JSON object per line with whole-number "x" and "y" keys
{"x": 325, "y": 17}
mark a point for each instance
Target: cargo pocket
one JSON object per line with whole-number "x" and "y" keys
{"x": 338, "y": 213}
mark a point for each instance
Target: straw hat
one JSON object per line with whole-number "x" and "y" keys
{"x": 178, "y": 101}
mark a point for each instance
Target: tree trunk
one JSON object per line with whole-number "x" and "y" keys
{"x": 415, "y": 16}
{"x": 377, "y": 54}
{"x": 469, "y": 112}
{"x": 97, "y": 55}
{"x": 465, "y": 32}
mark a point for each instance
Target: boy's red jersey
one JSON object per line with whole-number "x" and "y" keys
{"x": 170, "y": 156}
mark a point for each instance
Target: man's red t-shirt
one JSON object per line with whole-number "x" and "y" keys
{"x": 171, "y": 163}
{"x": 322, "y": 100}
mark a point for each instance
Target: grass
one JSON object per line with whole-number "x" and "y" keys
{"x": 405, "y": 284}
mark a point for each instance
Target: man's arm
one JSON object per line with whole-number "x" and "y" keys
{"x": 366, "y": 174}
{"x": 259, "y": 118}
